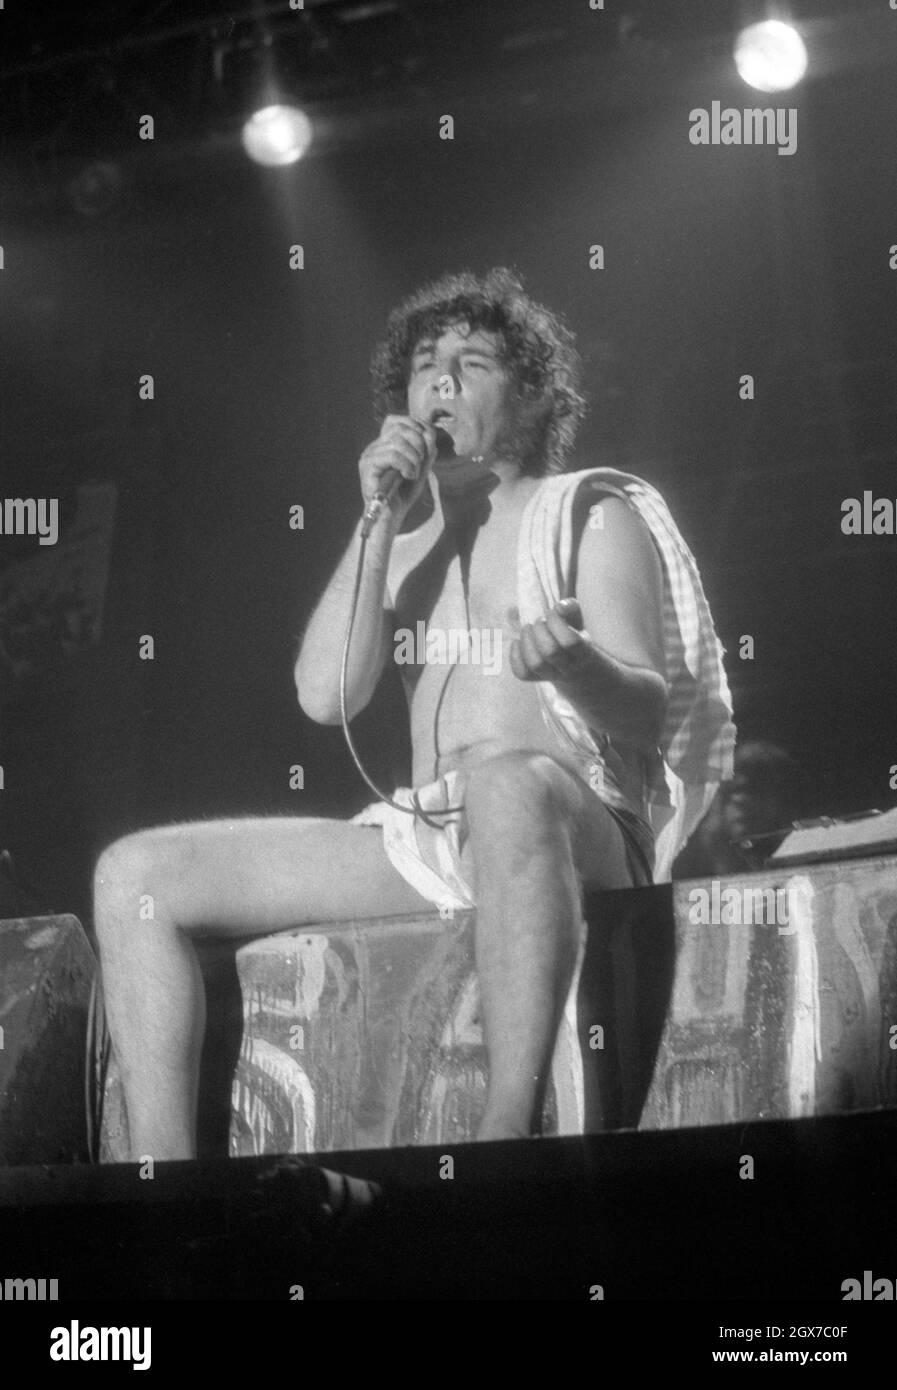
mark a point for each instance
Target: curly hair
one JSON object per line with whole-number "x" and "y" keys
{"x": 538, "y": 350}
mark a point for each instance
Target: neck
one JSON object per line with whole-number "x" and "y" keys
{"x": 511, "y": 486}
{"x": 499, "y": 486}
{"x": 510, "y": 476}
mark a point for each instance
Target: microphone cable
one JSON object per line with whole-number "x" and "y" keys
{"x": 416, "y": 809}
{"x": 97, "y": 1055}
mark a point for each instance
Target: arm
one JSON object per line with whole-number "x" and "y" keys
{"x": 407, "y": 446}
{"x": 317, "y": 668}
{"x": 604, "y": 650}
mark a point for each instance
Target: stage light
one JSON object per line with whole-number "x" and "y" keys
{"x": 770, "y": 56}
{"x": 277, "y": 135}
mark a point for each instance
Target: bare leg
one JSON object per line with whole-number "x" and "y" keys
{"x": 534, "y": 831}
{"x": 239, "y": 878}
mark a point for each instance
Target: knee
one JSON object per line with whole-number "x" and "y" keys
{"x": 517, "y": 788}
{"x": 123, "y": 858}
{"x": 124, "y": 869}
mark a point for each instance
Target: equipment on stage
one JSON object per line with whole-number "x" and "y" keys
{"x": 46, "y": 969}
{"x": 831, "y": 838}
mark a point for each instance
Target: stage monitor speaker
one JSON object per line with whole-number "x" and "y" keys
{"x": 46, "y": 970}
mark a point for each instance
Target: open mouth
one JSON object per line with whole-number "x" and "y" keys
{"x": 443, "y": 423}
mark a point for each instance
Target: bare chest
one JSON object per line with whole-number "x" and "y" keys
{"x": 470, "y": 581}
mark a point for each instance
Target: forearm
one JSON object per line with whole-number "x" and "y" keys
{"x": 625, "y": 702}
{"x": 317, "y": 670}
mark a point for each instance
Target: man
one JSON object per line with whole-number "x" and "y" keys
{"x": 533, "y": 776}
{"x": 764, "y": 796}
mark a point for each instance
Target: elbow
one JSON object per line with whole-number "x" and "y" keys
{"x": 318, "y": 711}
{"x": 314, "y": 702}
{"x": 642, "y": 724}
{"x": 322, "y": 705}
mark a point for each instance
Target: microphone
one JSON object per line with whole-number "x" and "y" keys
{"x": 390, "y": 482}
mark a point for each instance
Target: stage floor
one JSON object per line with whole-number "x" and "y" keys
{"x": 775, "y": 1209}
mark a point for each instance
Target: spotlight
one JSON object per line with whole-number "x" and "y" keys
{"x": 770, "y": 56}
{"x": 277, "y": 135}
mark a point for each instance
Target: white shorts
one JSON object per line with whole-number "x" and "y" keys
{"x": 428, "y": 856}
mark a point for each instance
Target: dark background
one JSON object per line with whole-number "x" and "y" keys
{"x": 124, "y": 257}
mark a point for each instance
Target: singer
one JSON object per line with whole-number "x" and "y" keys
{"x": 586, "y": 758}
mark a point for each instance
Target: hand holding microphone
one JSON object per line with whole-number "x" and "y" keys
{"x": 403, "y": 453}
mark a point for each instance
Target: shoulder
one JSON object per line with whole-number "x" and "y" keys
{"x": 619, "y": 578}
{"x": 607, "y": 526}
